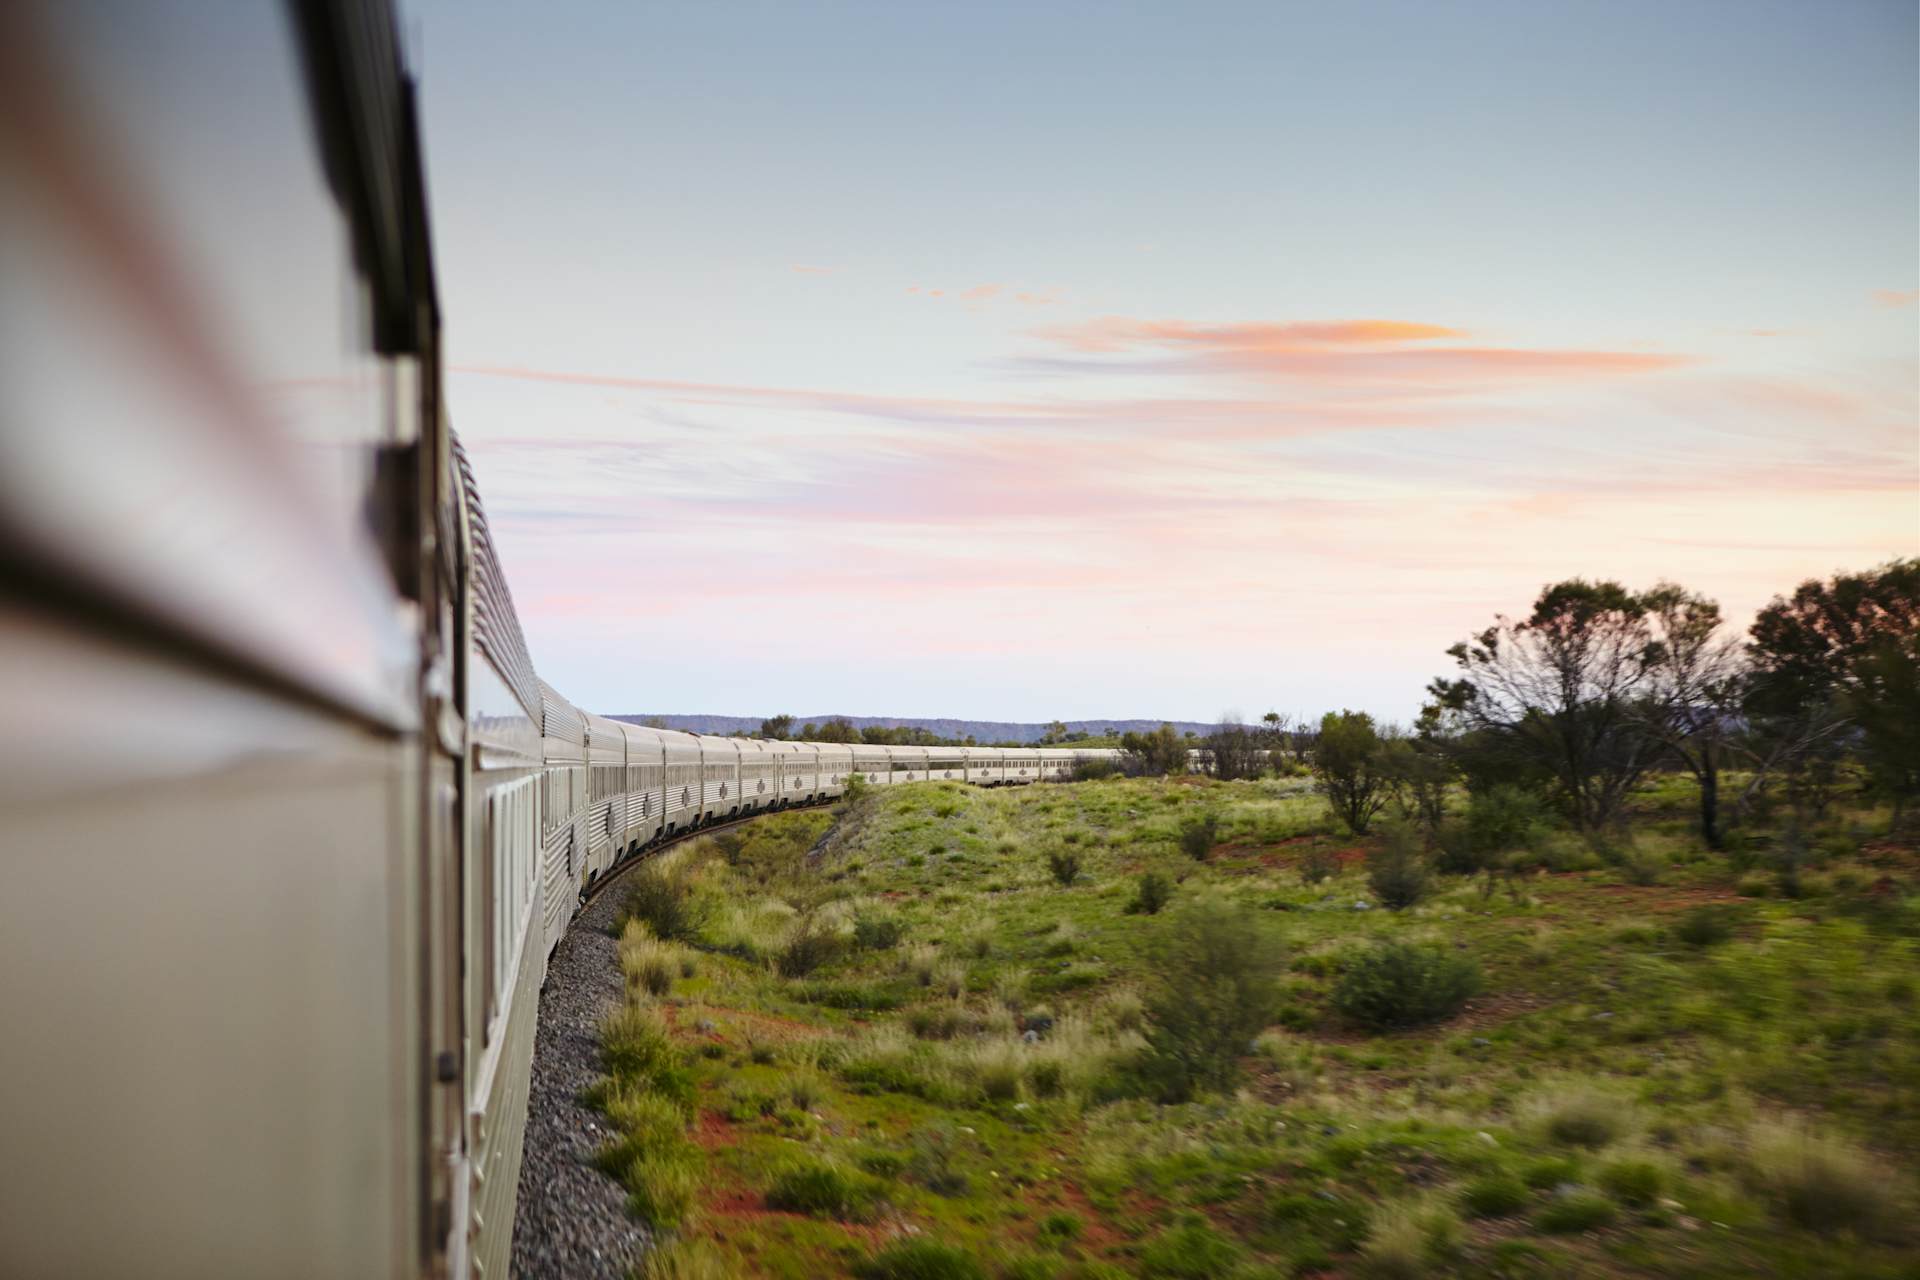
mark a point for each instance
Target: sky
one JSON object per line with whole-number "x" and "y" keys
{"x": 1026, "y": 361}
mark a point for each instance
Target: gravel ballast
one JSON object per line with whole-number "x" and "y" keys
{"x": 572, "y": 1220}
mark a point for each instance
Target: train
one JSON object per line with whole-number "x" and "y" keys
{"x": 291, "y": 823}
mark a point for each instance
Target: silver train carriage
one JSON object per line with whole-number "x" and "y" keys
{"x": 291, "y": 824}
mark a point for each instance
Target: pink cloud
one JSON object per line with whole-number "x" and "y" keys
{"x": 1118, "y": 333}
{"x": 812, "y": 271}
{"x": 1896, "y": 297}
{"x": 1342, "y": 351}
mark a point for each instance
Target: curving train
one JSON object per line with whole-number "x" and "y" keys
{"x": 290, "y": 823}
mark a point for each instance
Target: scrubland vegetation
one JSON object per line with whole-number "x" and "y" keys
{"x": 1437, "y": 1003}
{"x": 923, "y": 1053}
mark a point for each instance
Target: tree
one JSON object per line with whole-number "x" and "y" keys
{"x": 1232, "y": 750}
{"x": 776, "y": 727}
{"x": 1348, "y": 762}
{"x": 1161, "y": 751}
{"x": 1418, "y": 771}
{"x": 1561, "y": 690}
{"x": 1698, "y": 677}
{"x": 838, "y": 730}
{"x": 1056, "y": 732}
{"x": 1838, "y": 654}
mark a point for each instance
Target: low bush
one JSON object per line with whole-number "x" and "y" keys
{"x": 807, "y": 950}
{"x": 1823, "y": 1184}
{"x": 935, "y": 1022}
{"x": 1318, "y": 863}
{"x": 1059, "y": 1228}
{"x": 1635, "y": 1182}
{"x": 663, "y": 900}
{"x": 1197, "y": 836}
{"x": 825, "y": 1190}
{"x": 1400, "y": 984}
{"x": 1065, "y": 865}
{"x": 1705, "y": 926}
{"x": 663, "y": 1187}
{"x": 650, "y": 965}
{"x": 1191, "y": 1251}
{"x": 684, "y": 1259}
{"x": 1397, "y": 870}
{"x": 1153, "y": 892}
{"x": 1494, "y": 1195}
{"x": 1217, "y": 969}
{"x": 876, "y": 933}
{"x": 1575, "y": 1211}
{"x": 931, "y": 1162}
{"x": 1405, "y": 1243}
{"x": 1586, "y": 1119}
{"x": 922, "y": 1259}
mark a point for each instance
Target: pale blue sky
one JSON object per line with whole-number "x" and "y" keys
{"x": 1663, "y": 256}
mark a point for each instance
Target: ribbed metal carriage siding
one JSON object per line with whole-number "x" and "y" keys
{"x": 563, "y": 741}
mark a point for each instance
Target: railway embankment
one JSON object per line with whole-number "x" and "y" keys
{"x": 572, "y": 1220}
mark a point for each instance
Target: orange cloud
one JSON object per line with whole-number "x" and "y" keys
{"x": 1118, "y": 333}
{"x": 812, "y": 271}
{"x": 1896, "y": 297}
{"x": 981, "y": 292}
{"x": 1341, "y": 351}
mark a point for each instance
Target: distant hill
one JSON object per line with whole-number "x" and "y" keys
{"x": 979, "y": 730}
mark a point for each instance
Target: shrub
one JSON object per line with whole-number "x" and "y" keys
{"x": 1397, "y": 871}
{"x": 949, "y": 979}
{"x": 1553, "y": 1171}
{"x": 684, "y": 1259}
{"x": 1403, "y": 1242}
{"x": 1318, "y": 863}
{"x": 921, "y": 962}
{"x": 1496, "y": 1195}
{"x": 935, "y": 1022}
{"x": 662, "y": 900}
{"x": 634, "y": 1044}
{"x": 647, "y": 1123}
{"x": 1705, "y": 926}
{"x": 1822, "y": 1184}
{"x": 1190, "y": 1251}
{"x": 824, "y": 1190}
{"x": 1400, "y": 984}
{"x": 922, "y": 1259}
{"x": 876, "y": 933}
{"x": 807, "y": 950}
{"x": 1153, "y": 893}
{"x": 881, "y": 1163}
{"x": 1217, "y": 970}
{"x": 1059, "y": 1228}
{"x": 650, "y": 965}
{"x": 1197, "y": 836}
{"x": 1575, "y": 1211}
{"x": 804, "y": 1090}
{"x": 663, "y": 1187}
{"x": 1586, "y": 1119}
{"x": 1065, "y": 865}
{"x": 1635, "y": 1182}
{"x": 931, "y": 1162}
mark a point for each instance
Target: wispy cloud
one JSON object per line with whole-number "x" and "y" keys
{"x": 1896, "y": 297}
{"x": 1118, "y": 333}
{"x": 1345, "y": 351}
{"x": 803, "y": 270}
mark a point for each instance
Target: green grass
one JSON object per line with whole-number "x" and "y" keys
{"x": 929, "y": 1052}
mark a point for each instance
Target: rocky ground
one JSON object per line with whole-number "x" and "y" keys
{"x": 572, "y": 1219}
